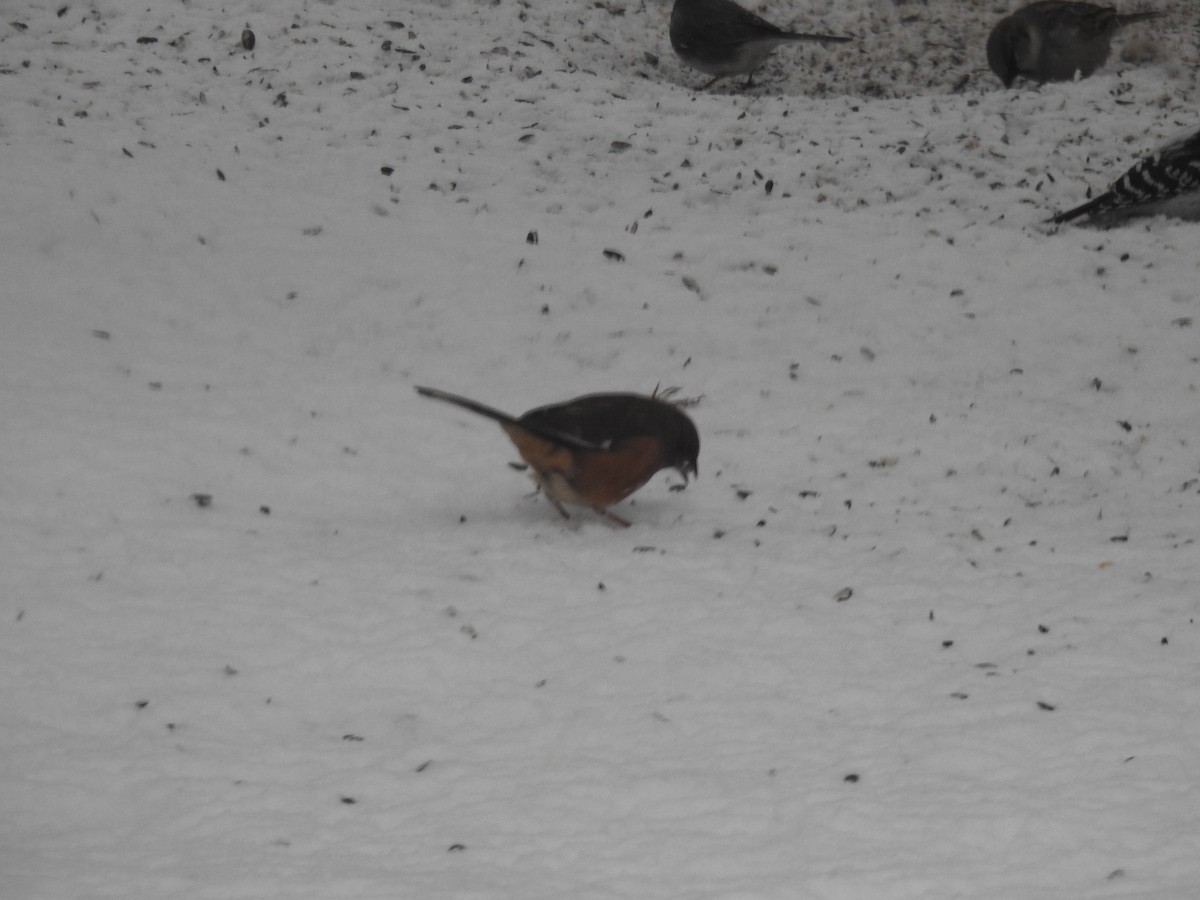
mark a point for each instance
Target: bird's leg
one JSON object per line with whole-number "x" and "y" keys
{"x": 611, "y": 516}
{"x": 542, "y": 487}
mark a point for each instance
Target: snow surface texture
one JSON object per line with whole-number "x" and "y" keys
{"x": 274, "y": 626}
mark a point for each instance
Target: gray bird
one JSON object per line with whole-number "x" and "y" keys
{"x": 720, "y": 38}
{"x": 1051, "y": 40}
{"x": 1165, "y": 183}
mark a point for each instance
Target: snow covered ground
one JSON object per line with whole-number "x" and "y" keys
{"x": 271, "y": 625}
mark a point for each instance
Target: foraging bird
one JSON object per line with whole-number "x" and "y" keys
{"x": 720, "y": 38}
{"x": 598, "y": 449}
{"x": 1165, "y": 183}
{"x": 1051, "y": 40}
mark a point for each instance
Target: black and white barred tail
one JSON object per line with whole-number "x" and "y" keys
{"x": 1167, "y": 182}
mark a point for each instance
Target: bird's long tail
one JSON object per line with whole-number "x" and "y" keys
{"x": 1129, "y": 18}
{"x": 821, "y": 38}
{"x": 467, "y": 403}
{"x": 1100, "y": 204}
{"x": 507, "y": 421}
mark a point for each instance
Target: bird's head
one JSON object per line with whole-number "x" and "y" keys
{"x": 1010, "y": 48}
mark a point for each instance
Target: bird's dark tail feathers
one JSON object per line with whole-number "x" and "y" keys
{"x": 821, "y": 38}
{"x": 466, "y": 403}
{"x": 1100, "y": 204}
{"x": 1129, "y": 18}
{"x": 556, "y": 437}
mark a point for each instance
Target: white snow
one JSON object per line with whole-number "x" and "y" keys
{"x": 376, "y": 666}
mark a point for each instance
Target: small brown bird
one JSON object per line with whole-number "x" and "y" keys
{"x": 598, "y": 449}
{"x": 1051, "y": 40}
{"x": 720, "y": 38}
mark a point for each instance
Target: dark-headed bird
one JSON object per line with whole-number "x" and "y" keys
{"x": 720, "y": 38}
{"x": 1051, "y": 40}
